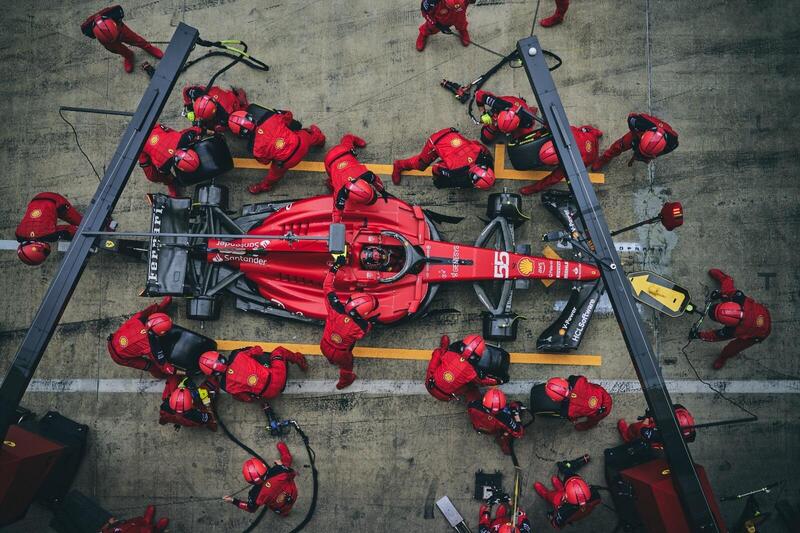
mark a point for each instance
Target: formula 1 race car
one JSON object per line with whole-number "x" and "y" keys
{"x": 275, "y": 256}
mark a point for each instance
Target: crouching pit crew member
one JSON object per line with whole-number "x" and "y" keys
{"x": 273, "y": 486}
{"x": 571, "y": 498}
{"x": 493, "y": 415}
{"x": 210, "y": 108}
{"x": 649, "y": 137}
{"x": 185, "y": 404}
{"x": 502, "y": 521}
{"x": 463, "y": 162}
{"x": 166, "y": 150}
{"x": 352, "y": 183}
{"x": 136, "y": 343}
{"x": 582, "y": 403}
{"x": 39, "y": 226}
{"x": 452, "y": 371}
{"x": 249, "y": 374}
{"x": 509, "y": 115}
{"x": 646, "y": 428}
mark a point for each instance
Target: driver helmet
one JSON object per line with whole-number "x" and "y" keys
{"x": 374, "y": 258}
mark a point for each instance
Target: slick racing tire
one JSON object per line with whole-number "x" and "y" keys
{"x": 541, "y": 404}
{"x": 215, "y": 160}
{"x": 524, "y": 152}
{"x": 202, "y": 308}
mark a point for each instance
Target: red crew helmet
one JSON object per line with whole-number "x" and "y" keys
{"x": 548, "y": 155}
{"x": 577, "y": 491}
{"x": 362, "y": 304}
{"x": 473, "y": 344}
{"x": 254, "y": 471}
{"x": 241, "y": 123}
{"x": 211, "y": 362}
{"x": 557, "y": 389}
{"x": 685, "y": 421}
{"x": 204, "y": 107}
{"x": 180, "y": 400}
{"x": 671, "y": 215}
{"x": 508, "y": 528}
{"x": 33, "y": 252}
{"x": 507, "y": 121}
{"x": 360, "y": 191}
{"x": 159, "y": 323}
{"x": 494, "y": 399}
{"x": 454, "y": 4}
{"x": 186, "y": 160}
{"x": 728, "y": 313}
{"x": 106, "y": 30}
{"x": 652, "y": 143}
{"x": 482, "y": 177}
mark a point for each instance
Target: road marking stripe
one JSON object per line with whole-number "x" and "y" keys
{"x": 411, "y": 388}
{"x": 415, "y": 355}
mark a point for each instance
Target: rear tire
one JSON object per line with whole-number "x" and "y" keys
{"x": 507, "y": 205}
{"x": 202, "y": 308}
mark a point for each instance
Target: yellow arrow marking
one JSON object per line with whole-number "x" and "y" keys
{"x": 668, "y": 298}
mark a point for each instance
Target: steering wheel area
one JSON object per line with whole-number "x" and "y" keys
{"x": 412, "y": 257}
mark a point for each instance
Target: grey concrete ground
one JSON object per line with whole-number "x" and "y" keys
{"x": 724, "y": 74}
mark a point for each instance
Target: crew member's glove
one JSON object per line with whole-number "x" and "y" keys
{"x": 715, "y": 295}
{"x": 169, "y": 368}
{"x": 444, "y": 342}
{"x": 339, "y": 260}
{"x": 486, "y": 119}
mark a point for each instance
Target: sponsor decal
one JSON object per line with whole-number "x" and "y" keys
{"x": 593, "y": 402}
{"x": 588, "y": 147}
{"x": 123, "y": 341}
{"x": 266, "y": 484}
{"x": 36, "y": 213}
{"x": 154, "y": 140}
{"x": 341, "y": 165}
{"x": 252, "y": 380}
{"x": 500, "y": 264}
{"x": 244, "y": 244}
{"x": 760, "y": 321}
{"x": 568, "y": 321}
{"x": 33, "y": 234}
{"x": 456, "y": 259}
{"x": 221, "y": 257}
{"x": 562, "y": 332}
{"x": 280, "y": 143}
{"x": 665, "y": 472}
{"x": 260, "y": 131}
{"x": 525, "y": 266}
{"x": 448, "y": 376}
{"x": 585, "y": 316}
{"x": 336, "y": 338}
{"x": 347, "y": 320}
{"x": 216, "y": 258}
{"x": 456, "y": 142}
{"x": 152, "y": 269}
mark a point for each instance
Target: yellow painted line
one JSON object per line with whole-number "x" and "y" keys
{"x": 415, "y": 355}
{"x": 500, "y": 171}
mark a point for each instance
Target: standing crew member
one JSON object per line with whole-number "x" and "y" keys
{"x": 185, "y": 404}
{"x": 38, "y": 226}
{"x": 502, "y": 521}
{"x": 166, "y": 150}
{"x": 249, "y": 374}
{"x": 649, "y": 137}
{"x": 211, "y": 108}
{"x": 644, "y": 428}
{"x": 494, "y": 416}
{"x": 452, "y": 369}
{"x": 510, "y": 115}
{"x": 346, "y": 324}
{"x": 558, "y": 16}
{"x": 464, "y": 163}
{"x": 746, "y": 321}
{"x": 571, "y": 499}
{"x": 440, "y": 15}
{"x": 136, "y": 343}
{"x": 107, "y": 27}
{"x": 351, "y": 182}
{"x": 273, "y": 486}
{"x": 272, "y": 140}
{"x": 580, "y": 400}
{"x": 588, "y": 140}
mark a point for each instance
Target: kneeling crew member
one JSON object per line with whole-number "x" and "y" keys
{"x": 352, "y": 183}
{"x": 464, "y": 163}
{"x": 249, "y": 374}
{"x": 746, "y": 321}
{"x": 494, "y": 416}
{"x": 571, "y": 499}
{"x": 649, "y": 137}
{"x": 273, "y": 486}
{"x": 167, "y": 150}
{"x": 439, "y": 15}
{"x": 136, "y": 343}
{"x": 504, "y": 115}
{"x": 210, "y": 108}
{"x": 277, "y": 140}
{"x": 639, "y": 430}
{"x": 346, "y": 324}
{"x": 582, "y": 403}
{"x": 39, "y": 226}
{"x": 185, "y": 404}
{"x": 502, "y": 521}
{"x": 452, "y": 369}
{"x": 588, "y": 140}
{"x": 107, "y": 27}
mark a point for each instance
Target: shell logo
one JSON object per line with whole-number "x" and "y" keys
{"x": 280, "y": 143}
{"x": 215, "y": 97}
{"x": 36, "y": 213}
{"x": 588, "y": 147}
{"x": 341, "y": 165}
{"x": 336, "y": 338}
{"x": 10, "y": 443}
{"x": 142, "y": 331}
{"x": 760, "y": 321}
{"x": 448, "y": 376}
{"x": 123, "y": 341}
{"x": 252, "y": 380}
{"x": 154, "y": 140}
{"x": 525, "y": 266}
{"x": 593, "y": 402}
{"x": 456, "y": 142}
{"x": 469, "y": 160}
{"x": 562, "y": 332}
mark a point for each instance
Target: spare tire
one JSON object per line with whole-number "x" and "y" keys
{"x": 215, "y": 160}
{"x": 524, "y": 152}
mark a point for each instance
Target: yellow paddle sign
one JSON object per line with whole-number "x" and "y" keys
{"x": 659, "y": 293}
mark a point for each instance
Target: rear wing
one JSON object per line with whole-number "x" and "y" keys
{"x": 168, "y": 257}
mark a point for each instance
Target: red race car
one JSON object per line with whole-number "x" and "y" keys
{"x": 274, "y": 257}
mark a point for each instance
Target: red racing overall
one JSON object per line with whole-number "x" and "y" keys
{"x": 504, "y": 424}
{"x": 586, "y": 400}
{"x": 227, "y": 102}
{"x": 457, "y": 154}
{"x": 588, "y": 140}
{"x": 439, "y": 16}
{"x": 634, "y": 431}
{"x": 563, "y": 512}
{"x": 275, "y": 144}
{"x": 132, "y": 345}
{"x": 199, "y": 415}
{"x": 493, "y": 105}
{"x": 343, "y": 167}
{"x": 755, "y": 326}
{"x": 638, "y": 123}
{"x": 278, "y": 492}
{"x": 487, "y": 524}
{"x": 157, "y": 157}
{"x": 253, "y": 375}
{"x": 126, "y": 36}
{"x": 41, "y": 216}
{"x": 451, "y": 375}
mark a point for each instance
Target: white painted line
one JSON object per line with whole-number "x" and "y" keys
{"x": 414, "y": 388}
{"x": 63, "y": 246}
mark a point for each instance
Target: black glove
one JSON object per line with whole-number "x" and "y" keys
{"x": 715, "y": 295}
{"x": 694, "y": 333}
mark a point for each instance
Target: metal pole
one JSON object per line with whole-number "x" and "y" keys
{"x": 206, "y": 235}
{"x": 105, "y": 198}
{"x": 95, "y": 111}
{"x": 634, "y": 226}
{"x": 690, "y": 491}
